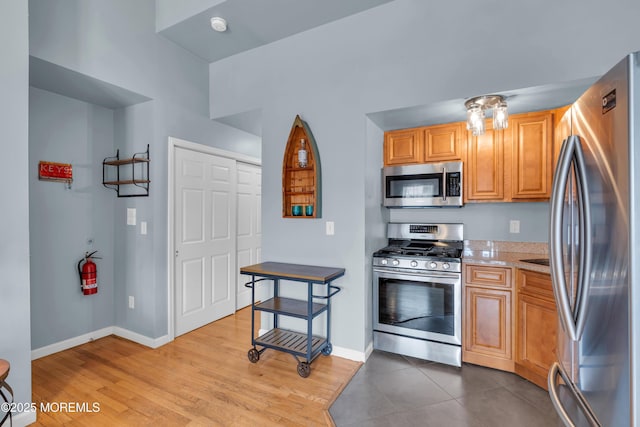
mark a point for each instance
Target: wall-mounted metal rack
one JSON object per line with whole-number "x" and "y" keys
{"x": 137, "y": 174}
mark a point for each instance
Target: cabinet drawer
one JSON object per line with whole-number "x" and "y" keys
{"x": 483, "y": 275}
{"x": 535, "y": 283}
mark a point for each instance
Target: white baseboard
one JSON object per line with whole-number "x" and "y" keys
{"x": 141, "y": 339}
{"x": 368, "y": 351}
{"x": 347, "y": 353}
{"x": 24, "y": 419}
{"x": 100, "y": 333}
{"x": 71, "y": 342}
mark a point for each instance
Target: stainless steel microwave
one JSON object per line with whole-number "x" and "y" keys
{"x": 422, "y": 186}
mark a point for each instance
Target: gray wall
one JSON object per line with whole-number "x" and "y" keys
{"x": 62, "y": 220}
{"x": 487, "y": 221}
{"x": 401, "y": 54}
{"x": 115, "y": 42}
{"x": 14, "y": 174}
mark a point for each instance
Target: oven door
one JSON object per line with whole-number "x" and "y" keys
{"x": 424, "y": 305}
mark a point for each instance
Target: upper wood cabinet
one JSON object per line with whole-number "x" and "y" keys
{"x": 444, "y": 143}
{"x": 484, "y": 169}
{"x": 530, "y": 138}
{"x": 428, "y": 144}
{"x": 561, "y": 129}
{"x": 515, "y": 164}
{"x": 403, "y": 147}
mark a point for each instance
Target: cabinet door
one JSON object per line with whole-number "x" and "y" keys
{"x": 536, "y": 338}
{"x": 487, "y": 328}
{"x": 561, "y": 129}
{"x": 535, "y": 284}
{"x": 484, "y": 168}
{"x": 531, "y": 142}
{"x": 403, "y": 147}
{"x": 444, "y": 142}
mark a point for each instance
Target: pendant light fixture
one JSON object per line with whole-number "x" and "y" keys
{"x": 476, "y": 113}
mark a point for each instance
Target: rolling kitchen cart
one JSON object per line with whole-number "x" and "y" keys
{"x": 303, "y": 347}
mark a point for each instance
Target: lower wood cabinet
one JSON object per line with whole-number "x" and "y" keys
{"x": 537, "y": 327}
{"x": 488, "y": 320}
{"x": 510, "y": 321}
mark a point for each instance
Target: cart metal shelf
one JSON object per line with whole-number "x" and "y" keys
{"x": 304, "y": 347}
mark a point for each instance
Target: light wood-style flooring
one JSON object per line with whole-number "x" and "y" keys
{"x": 202, "y": 378}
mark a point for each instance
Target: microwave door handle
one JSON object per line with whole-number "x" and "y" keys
{"x": 584, "y": 241}
{"x": 444, "y": 184}
{"x": 560, "y": 291}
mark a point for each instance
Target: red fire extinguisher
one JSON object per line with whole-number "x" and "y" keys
{"x": 88, "y": 274}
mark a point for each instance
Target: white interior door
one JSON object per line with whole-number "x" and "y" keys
{"x": 249, "y": 226}
{"x": 205, "y": 238}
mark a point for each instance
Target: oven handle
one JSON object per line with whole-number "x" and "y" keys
{"x": 426, "y": 274}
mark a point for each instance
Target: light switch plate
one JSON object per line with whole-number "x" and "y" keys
{"x": 143, "y": 227}
{"x": 131, "y": 216}
{"x": 330, "y": 228}
{"x": 514, "y": 226}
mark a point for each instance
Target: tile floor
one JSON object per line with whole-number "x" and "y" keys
{"x": 394, "y": 390}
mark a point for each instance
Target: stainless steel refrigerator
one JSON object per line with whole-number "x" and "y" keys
{"x": 594, "y": 246}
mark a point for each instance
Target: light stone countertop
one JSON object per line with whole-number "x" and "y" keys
{"x": 505, "y": 254}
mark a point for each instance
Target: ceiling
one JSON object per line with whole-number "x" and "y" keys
{"x": 254, "y": 23}
{"x": 63, "y": 81}
{"x": 519, "y": 101}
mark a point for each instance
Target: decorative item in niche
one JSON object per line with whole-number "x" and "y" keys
{"x": 58, "y": 172}
{"x": 301, "y": 178}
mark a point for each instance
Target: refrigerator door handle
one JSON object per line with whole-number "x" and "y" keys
{"x": 556, "y": 260}
{"x": 554, "y": 372}
{"x": 585, "y": 239}
{"x": 574, "y": 320}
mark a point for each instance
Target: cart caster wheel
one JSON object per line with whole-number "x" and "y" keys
{"x": 253, "y": 355}
{"x": 304, "y": 369}
{"x": 327, "y": 350}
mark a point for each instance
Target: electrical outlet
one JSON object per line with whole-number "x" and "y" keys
{"x": 514, "y": 226}
{"x": 132, "y": 302}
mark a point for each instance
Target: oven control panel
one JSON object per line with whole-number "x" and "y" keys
{"x": 418, "y": 265}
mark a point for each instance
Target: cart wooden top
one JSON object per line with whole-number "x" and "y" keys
{"x": 303, "y": 273}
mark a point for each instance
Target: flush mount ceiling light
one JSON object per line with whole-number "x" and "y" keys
{"x": 475, "y": 113}
{"x": 219, "y": 24}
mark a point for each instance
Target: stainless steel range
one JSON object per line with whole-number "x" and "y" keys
{"x": 417, "y": 292}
